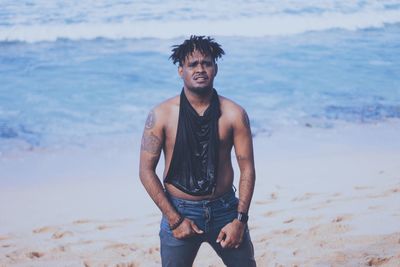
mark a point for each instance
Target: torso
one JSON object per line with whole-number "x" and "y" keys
{"x": 225, "y": 170}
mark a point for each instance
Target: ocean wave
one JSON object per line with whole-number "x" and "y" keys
{"x": 273, "y": 25}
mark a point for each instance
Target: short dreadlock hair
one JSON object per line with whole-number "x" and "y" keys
{"x": 205, "y": 45}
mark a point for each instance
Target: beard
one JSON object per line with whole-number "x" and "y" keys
{"x": 201, "y": 90}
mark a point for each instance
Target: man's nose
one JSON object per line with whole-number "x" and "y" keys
{"x": 200, "y": 68}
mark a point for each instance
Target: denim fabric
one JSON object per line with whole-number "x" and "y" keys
{"x": 210, "y": 216}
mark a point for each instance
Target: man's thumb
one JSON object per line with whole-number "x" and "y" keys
{"x": 195, "y": 228}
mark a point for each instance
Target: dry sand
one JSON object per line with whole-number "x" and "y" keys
{"x": 320, "y": 201}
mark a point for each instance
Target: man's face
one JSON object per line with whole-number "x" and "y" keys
{"x": 198, "y": 72}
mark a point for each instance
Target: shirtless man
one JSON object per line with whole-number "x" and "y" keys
{"x": 196, "y": 131}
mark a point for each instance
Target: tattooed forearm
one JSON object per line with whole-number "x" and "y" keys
{"x": 151, "y": 120}
{"x": 151, "y": 143}
{"x": 245, "y": 119}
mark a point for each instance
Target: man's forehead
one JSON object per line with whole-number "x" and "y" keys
{"x": 198, "y": 56}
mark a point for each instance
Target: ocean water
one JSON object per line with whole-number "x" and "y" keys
{"x": 72, "y": 72}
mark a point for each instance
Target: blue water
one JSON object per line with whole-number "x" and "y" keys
{"x": 67, "y": 92}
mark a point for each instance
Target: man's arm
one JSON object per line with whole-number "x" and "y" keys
{"x": 150, "y": 150}
{"x": 243, "y": 144}
{"x": 231, "y": 235}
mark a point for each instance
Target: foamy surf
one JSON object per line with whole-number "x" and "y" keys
{"x": 254, "y": 21}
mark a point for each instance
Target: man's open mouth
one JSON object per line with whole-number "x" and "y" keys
{"x": 200, "y": 78}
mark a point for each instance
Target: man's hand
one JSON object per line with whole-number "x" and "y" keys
{"x": 232, "y": 234}
{"x": 186, "y": 229}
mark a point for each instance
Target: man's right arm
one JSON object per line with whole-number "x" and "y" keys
{"x": 150, "y": 150}
{"x": 152, "y": 142}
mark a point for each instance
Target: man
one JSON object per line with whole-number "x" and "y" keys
{"x": 196, "y": 132}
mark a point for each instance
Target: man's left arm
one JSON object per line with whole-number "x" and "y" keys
{"x": 231, "y": 235}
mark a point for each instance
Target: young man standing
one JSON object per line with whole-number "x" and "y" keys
{"x": 196, "y": 131}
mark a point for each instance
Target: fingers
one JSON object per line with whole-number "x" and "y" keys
{"x": 240, "y": 240}
{"x": 221, "y": 236}
{"x": 238, "y": 243}
{"x": 230, "y": 243}
{"x": 226, "y": 243}
{"x": 186, "y": 229}
{"x": 229, "y": 237}
{"x": 225, "y": 238}
{"x": 183, "y": 230}
{"x": 196, "y": 229}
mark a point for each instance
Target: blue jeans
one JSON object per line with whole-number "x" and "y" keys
{"x": 210, "y": 216}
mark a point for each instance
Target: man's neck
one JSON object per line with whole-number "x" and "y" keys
{"x": 198, "y": 100}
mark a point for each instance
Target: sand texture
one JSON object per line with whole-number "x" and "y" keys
{"x": 314, "y": 205}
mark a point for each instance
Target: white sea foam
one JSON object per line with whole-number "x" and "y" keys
{"x": 289, "y": 19}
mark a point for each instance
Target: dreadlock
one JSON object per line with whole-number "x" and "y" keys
{"x": 205, "y": 45}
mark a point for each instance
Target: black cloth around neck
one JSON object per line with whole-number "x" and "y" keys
{"x": 194, "y": 163}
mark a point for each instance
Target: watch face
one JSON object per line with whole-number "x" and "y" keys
{"x": 243, "y": 217}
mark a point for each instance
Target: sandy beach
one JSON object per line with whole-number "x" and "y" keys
{"x": 320, "y": 81}
{"x": 323, "y": 198}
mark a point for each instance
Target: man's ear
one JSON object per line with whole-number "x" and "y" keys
{"x": 216, "y": 69}
{"x": 180, "y": 71}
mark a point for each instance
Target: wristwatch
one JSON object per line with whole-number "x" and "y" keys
{"x": 243, "y": 217}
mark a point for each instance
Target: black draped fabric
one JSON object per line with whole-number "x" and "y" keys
{"x": 194, "y": 162}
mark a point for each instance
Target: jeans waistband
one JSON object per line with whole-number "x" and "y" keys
{"x": 206, "y": 202}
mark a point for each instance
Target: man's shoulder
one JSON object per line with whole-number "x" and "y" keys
{"x": 167, "y": 105}
{"x": 234, "y": 114}
{"x": 230, "y": 107}
{"x": 162, "y": 112}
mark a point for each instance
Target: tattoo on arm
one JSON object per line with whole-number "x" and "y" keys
{"x": 151, "y": 120}
{"x": 245, "y": 119}
{"x": 151, "y": 143}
